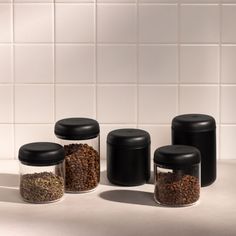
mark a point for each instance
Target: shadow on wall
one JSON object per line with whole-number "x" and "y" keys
{"x": 129, "y": 196}
{"x": 103, "y": 178}
{"x": 9, "y": 191}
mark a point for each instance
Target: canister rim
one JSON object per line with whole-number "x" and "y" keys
{"x": 76, "y": 128}
{"x": 193, "y": 123}
{"x": 41, "y": 154}
{"x": 129, "y": 137}
{"x": 177, "y": 156}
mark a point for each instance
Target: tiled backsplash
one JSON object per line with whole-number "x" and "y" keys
{"x": 127, "y": 63}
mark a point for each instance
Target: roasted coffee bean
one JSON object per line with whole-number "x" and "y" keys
{"x": 174, "y": 189}
{"x": 41, "y": 187}
{"x": 82, "y": 164}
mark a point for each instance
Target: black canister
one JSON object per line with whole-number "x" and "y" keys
{"x": 198, "y": 130}
{"x": 128, "y": 157}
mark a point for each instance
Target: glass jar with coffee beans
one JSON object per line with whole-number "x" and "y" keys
{"x": 80, "y": 138}
{"x": 177, "y": 175}
{"x": 41, "y": 172}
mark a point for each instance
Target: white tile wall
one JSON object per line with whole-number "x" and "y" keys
{"x": 126, "y": 63}
{"x": 33, "y": 22}
{"x": 6, "y": 22}
{"x": 75, "y": 63}
{"x": 116, "y": 104}
{"x": 199, "y": 64}
{"x": 6, "y": 63}
{"x": 199, "y": 23}
{"x": 79, "y": 101}
{"x": 33, "y": 63}
{"x": 74, "y": 22}
{"x": 158, "y": 23}
{"x": 116, "y": 23}
{"x": 157, "y": 103}
{"x": 158, "y": 64}
{"x": 116, "y": 64}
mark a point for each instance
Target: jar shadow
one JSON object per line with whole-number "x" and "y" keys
{"x": 129, "y": 197}
{"x": 9, "y": 180}
{"x": 151, "y": 180}
{"x": 9, "y": 191}
{"x": 10, "y": 195}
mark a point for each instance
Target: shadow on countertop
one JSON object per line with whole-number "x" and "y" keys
{"x": 9, "y": 180}
{"x": 9, "y": 191}
{"x": 10, "y": 195}
{"x": 129, "y": 196}
{"x": 105, "y": 181}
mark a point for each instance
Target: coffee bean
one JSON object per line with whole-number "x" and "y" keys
{"x": 173, "y": 189}
{"x": 82, "y": 164}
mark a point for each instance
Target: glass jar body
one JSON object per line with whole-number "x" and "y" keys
{"x": 42, "y": 184}
{"x": 177, "y": 187}
{"x": 82, "y": 164}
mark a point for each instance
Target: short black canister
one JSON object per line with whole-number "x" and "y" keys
{"x": 198, "y": 130}
{"x": 128, "y": 157}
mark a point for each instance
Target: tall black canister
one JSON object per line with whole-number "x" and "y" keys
{"x": 198, "y": 130}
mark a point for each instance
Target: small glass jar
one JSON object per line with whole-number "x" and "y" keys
{"x": 41, "y": 172}
{"x": 80, "y": 138}
{"x": 177, "y": 175}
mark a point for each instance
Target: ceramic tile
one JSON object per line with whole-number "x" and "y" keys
{"x": 116, "y": 64}
{"x": 34, "y": 63}
{"x": 33, "y": 22}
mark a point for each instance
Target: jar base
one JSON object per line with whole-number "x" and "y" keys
{"x": 84, "y": 191}
{"x": 45, "y": 202}
{"x": 176, "y": 206}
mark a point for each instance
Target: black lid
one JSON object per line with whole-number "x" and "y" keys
{"x": 193, "y": 123}
{"x": 177, "y": 156}
{"x": 129, "y": 137}
{"x": 41, "y": 154}
{"x": 76, "y": 128}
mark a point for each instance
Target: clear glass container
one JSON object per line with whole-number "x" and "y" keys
{"x": 177, "y": 176}
{"x": 42, "y": 172}
{"x": 81, "y": 141}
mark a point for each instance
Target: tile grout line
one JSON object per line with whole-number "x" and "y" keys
{"x": 220, "y": 75}
{"x": 124, "y": 84}
{"x": 209, "y": 44}
{"x": 13, "y": 77}
{"x": 178, "y": 84}
{"x": 54, "y": 63}
{"x": 95, "y": 61}
{"x": 137, "y": 64}
{"x": 128, "y": 43}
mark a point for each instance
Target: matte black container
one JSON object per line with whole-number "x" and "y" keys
{"x": 128, "y": 157}
{"x": 198, "y": 130}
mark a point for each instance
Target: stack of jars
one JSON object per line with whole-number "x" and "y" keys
{"x": 47, "y": 170}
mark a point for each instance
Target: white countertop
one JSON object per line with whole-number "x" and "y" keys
{"x": 118, "y": 211}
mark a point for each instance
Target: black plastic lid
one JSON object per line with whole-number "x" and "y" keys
{"x": 41, "y": 154}
{"x": 177, "y": 156}
{"x": 76, "y": 128}
{"x": 129, "y": 138}
{"x": 193, "y": 123}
